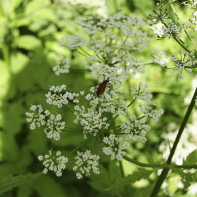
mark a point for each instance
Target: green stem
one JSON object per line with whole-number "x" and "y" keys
{"x": 175, "y": 37}
{"x": 168, "y": 166}
{"x": 183, "y": 124}
{"x": 78, "y": 147}
{"x": 184, "y": 166}
{"x": 144, "y": 164}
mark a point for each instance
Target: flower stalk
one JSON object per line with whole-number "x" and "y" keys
{"x": 183, "y": 124}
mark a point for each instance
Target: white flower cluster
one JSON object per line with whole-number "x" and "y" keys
{"x": 59, "y": 96}
{"x": 194, "y": 20}
{"x": 53, "y": 162}
{"x": 158, "y": 29}
{"x": 73, "y": 41}
{"x": 135, "y": 129}
{"x": 62, "y": 65}
{"x": 108, "y": 49}
{"x": 159, "y": 57}
{"x": 85, "y": 163}
{"x": 109, "y": 53}
{"x": 172, "y": 30}
{"x": 184, "y": 62}
{"x": 148, "y": 109}
{"x": 93, "y": 118}
{"x": 39, "y": 117}
{"x": 117, "y": 147}
{"x": 54, "y": 127}
{"x": 142, "y": 92}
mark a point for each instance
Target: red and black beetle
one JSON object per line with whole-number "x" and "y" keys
{"x": 101, "y": 87}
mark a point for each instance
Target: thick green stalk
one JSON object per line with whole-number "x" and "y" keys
{"x": 170, "y": 166}
{"x": 183, "y": 124}
{"x": 143, "y": 164}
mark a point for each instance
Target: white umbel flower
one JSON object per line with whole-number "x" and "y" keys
{"x": 116, "y": 148}
{"x": 135, "y": 129}
{"x": 62, "y": 65}
{"x": 37, "y": 117}
{"x": 85, "y": 164}
{"x": 53, "y": 162}
{"x": 54, "y": 127}
{"x": 59, "y": 96}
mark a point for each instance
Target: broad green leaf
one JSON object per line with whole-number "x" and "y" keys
{"x": 20, "y": 21}
{"x": 13, "y": 117}
{"x": 149, "y": 157}
{"x": 45, "y": 13}
{"x": 35, "y": 5}
{"x": 135, "y": 176}
{"x": 143, "y": 6}
{"x": 9, "y": 147}
{"x": 114, "y": 172}
{"x": 187, "y": 178}
{"x": 173, "y": 184}
{"x": 9, "y": 182}
{"x": 47, "y": 186}
{"x": 27, "y": 42}
{"x": 37, "y": 141}
{"x": 24, "y": 190}
{"x": 101, "y": 182}
{"x": 3, "y": 25}
{"x": 18, "y": 62}
{"x": 191, "y": 158}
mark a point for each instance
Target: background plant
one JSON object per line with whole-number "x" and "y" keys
{"x": 20, "y": 146}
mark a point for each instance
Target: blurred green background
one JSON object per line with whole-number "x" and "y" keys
{"x": 30, "y": 33}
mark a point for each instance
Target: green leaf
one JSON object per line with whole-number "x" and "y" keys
{"x": 34, "y": 6}
{"x": 24, "y": 190}
{"x": 9, "y": 182}
{"x": 135, "y": 176}
{"x": 13, "y": 117}
{"x": 46, "y": 13}
{"x": 149, "y": 157}
{"x": 21, "y": 60}
{"x": 46, "y": 186}
{"x": 191, "y": 158}
{"x": 101, "y": 182}
{"x": 187, "y": 178}
{"x": 27, "y": 42}
{"x": 114, "y": 172}
{"x": 173, "y": 184}
{"x": 112, "y": 183}
{"x": 37, "y": 141}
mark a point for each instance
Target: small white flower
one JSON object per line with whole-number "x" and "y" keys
{"x": 54, "y": 162}
{"x": 183, "y": 63}
{"x": 62, "y": 65}
{"x": 37, "y": 117}
{"x": 85, "y": 163}
{"x": 158, "y": 29}
{"x": 148, "y": 109}
{"x": 192, "y": 190}
{"x": 135, "y": 129}
{"x": 142, "y": 92}
{"x": 159, "y": 57}
{"x": 59, "y": 96}
{"x": 116, "y": 147}
{"x": 54, "y": 127}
